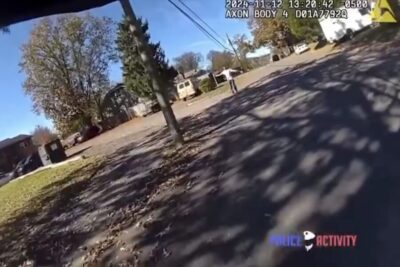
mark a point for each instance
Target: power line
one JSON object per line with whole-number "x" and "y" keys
{"x": 199, "y": 25}
{"x": 207, "y": 33}
{"x": 199, "y": 18}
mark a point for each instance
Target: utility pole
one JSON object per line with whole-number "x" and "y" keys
{"x": 236, "y": 53}
{"x": 152, "y": 70}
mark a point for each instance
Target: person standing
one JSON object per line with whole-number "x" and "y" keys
{"x": 228, "y": 75}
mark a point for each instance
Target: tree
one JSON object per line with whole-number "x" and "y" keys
{"x": 151, "y": 68}
{"x": 66, "y": 62}
{"x": 207, "y": 85}
{"x": 219, "y": 60}
{"x": 280, "y": 30}
{"x": 42, "y": 135}
{"x": 243, "y": 46}
{"x": 268, "y": 31}
{"x": 136, "y": 78}
{"x": 188, "y": 61}
{"x": 304, "y": 29}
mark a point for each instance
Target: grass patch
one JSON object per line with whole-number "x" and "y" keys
{"x": 29, "y": 194}
{"x": 222, "y": 88}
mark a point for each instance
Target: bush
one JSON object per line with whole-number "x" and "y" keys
{"x": 207, "y": 85}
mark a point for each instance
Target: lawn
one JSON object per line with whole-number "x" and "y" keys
{"x": 221, "y": 88}
{"x": 28, "y": 194}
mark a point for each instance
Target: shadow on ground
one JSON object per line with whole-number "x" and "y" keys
{"x": 314, "y": 148}
{"x": 380, "y": 34}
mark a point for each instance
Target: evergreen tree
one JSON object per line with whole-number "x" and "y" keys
{"x": 135, "y": 77}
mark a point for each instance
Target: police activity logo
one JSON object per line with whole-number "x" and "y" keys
{"x": 309, "y": 240}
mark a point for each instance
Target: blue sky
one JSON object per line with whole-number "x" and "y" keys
{"x": 175, "y": 32}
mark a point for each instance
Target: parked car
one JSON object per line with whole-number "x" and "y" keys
{"x": 301, "y": 48}
{"x": 145, "y": 107}
{"x": 187, "y": 89}
{"x": 88, "y": 133}
{"x": 71, "y": 140}
{"x": 27, "y": 165}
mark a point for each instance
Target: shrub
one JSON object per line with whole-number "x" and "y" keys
{"x": 207, "y": 85}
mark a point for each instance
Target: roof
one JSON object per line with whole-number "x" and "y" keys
{"x": 190, "y": 73}
{"x": 11, "y": 141}
{"x": 17, "y": 11}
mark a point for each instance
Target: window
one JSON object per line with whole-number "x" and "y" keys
{"x": 181, "y": 86}
{"x": 187, "y": 84}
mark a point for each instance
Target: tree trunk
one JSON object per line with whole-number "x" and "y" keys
{"x": 151, "y": 69}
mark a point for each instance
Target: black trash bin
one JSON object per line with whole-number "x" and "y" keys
{"x": 52, "y": 152}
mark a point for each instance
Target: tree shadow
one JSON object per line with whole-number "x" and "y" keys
{"x": 314, "y": 148}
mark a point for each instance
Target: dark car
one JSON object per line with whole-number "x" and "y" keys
{"x": 89, "y": 133}
{"x": 27, "y": 165}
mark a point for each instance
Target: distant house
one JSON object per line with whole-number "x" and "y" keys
{"x": 189, "y": 75}
{"x": 13, "y": 150}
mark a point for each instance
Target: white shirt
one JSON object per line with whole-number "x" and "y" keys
{"x": 227, "y": 74}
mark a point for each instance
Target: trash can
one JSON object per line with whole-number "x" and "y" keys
{"x": 52, "y": 152}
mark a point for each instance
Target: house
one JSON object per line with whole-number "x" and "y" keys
{"x": 13, "y": 150}
{"x": 189, "y": 75}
